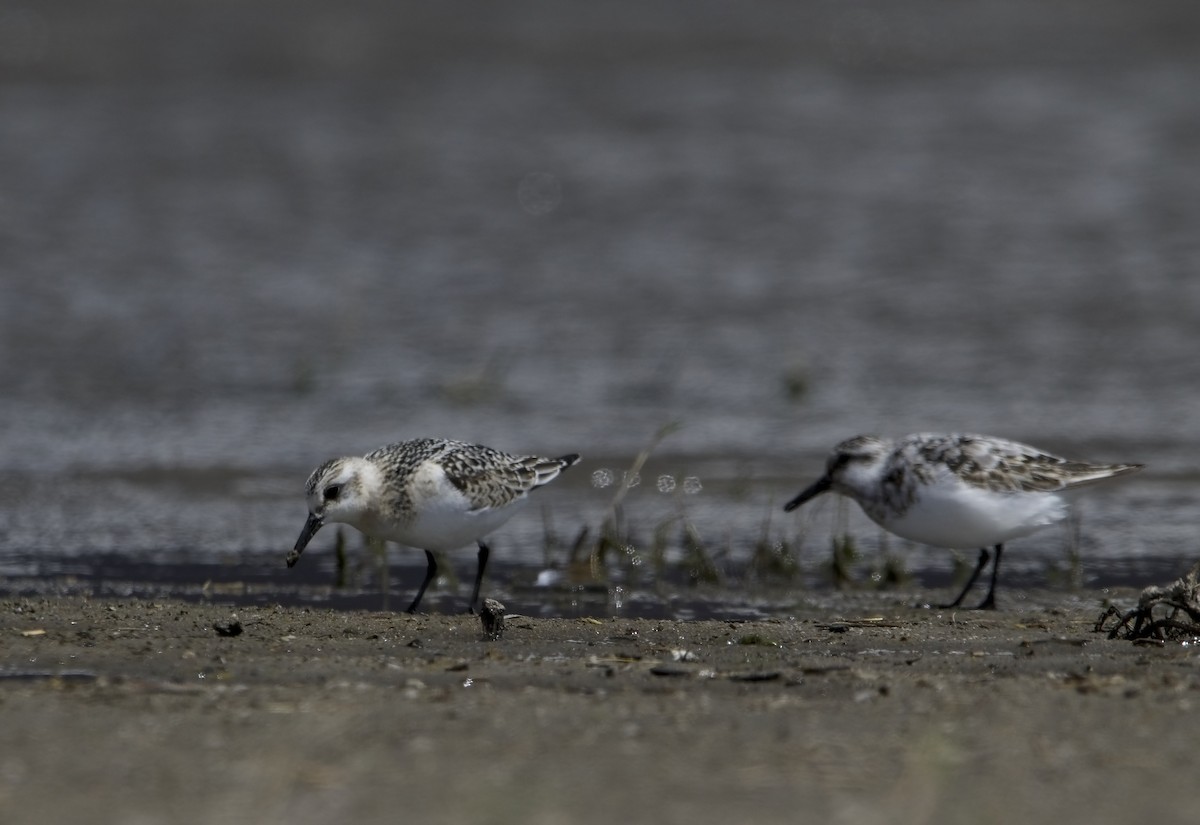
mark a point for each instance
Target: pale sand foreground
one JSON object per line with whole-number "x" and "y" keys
{"x": 860, "y": 710}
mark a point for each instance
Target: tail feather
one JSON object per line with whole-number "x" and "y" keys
{"x": 1091, "y": 473}
{"x": 548, "y": 469}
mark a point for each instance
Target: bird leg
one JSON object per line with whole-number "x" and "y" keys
{"x": 430, "y": 572}
{"x": 989, "y": 601}
{"x": 484, "y": 552}
{"x": 984, "y": 557}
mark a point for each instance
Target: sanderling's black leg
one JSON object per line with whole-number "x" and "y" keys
{"x": 484, "y": 552}
{"x": 430, "y": 572}
{"x": 984, "y": 557}
{"x": 989, "y": 601}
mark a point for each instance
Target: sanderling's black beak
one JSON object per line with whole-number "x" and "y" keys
{"x": 310, "y": 529}
{"x": 819, "y": 486}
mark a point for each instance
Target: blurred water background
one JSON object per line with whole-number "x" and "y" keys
{"x": 237, "y": 238}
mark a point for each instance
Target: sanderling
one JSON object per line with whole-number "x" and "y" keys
{"x": 430, "y": 493}
{"x": 956, "y": 491}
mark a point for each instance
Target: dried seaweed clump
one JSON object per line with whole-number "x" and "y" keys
{"x": 1163, "y": 614}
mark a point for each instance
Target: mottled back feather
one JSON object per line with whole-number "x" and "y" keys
{"x": 1000, "y": 465}
{"x": 494, "y": 479}
{"x": 488, "y": 477}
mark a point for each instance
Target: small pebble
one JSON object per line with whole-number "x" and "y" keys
{"x": 234, "y": 628}
{"x": 491, "y": 616}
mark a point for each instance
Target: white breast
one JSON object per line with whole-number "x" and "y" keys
{"x": 443, "y": 518}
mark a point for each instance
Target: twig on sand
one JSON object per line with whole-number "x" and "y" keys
{"x": 1178, "y": 618}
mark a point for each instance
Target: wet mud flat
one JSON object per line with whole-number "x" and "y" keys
{"x": 855, "y": 708}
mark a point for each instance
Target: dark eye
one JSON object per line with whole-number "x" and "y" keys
{"x": 333, "y": 491}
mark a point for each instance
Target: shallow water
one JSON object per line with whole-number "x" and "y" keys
{"x": 230, "y": 250}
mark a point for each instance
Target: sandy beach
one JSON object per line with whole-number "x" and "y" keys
{"x": 855, "y": 709}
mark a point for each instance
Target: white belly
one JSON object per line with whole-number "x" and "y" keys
{"x": 965, "y": 517}
{"x": 443, "y": 525}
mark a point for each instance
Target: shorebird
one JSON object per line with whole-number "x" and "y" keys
{"x": 433, "y": 494}
{"x": 957, "y": 491}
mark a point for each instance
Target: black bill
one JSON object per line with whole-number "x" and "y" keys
{"x": 310, "y": 529}
{"x": 819, "y": 486}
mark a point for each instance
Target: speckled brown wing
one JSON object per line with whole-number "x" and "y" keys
{"x": 490, "y": 478}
